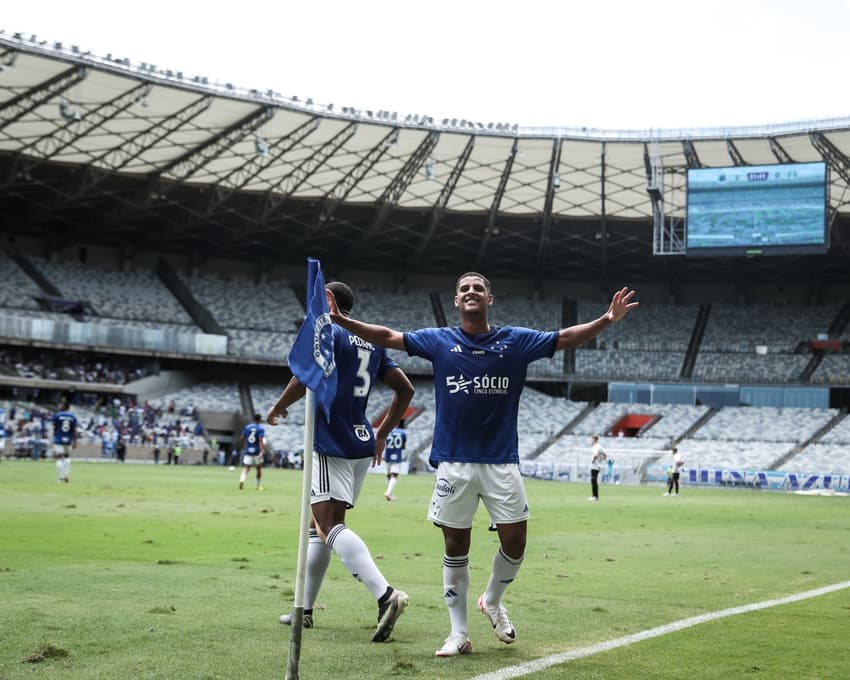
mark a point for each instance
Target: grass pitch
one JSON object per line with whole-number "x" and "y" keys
{"x": 137, "y": 571}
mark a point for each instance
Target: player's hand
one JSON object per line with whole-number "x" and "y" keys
{"x": 272, "y": 415}
{"x": 621, "y": 303}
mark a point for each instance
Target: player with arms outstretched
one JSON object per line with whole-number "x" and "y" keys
{"x": 479, "y": 374}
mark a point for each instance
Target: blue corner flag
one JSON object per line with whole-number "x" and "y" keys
{"x": 311, "y": 358}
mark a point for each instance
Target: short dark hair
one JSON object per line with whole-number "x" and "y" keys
{"x": 343, "y": 295}
{"x": 258, "y": 417}
{"x": 401, "y": 423}
{"x": 477, "y": 276}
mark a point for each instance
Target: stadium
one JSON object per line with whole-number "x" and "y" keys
{"x": 156, "y": 227}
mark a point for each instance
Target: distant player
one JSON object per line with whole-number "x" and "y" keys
{"x": 674, "y": 472}
{"x": 598, "y": 456}
{"x": 64, "y": 439}
{"x": 253, "y": 444}
{"x": 393, "y": 457}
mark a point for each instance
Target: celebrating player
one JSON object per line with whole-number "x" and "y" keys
{"x": 479, "y": 373}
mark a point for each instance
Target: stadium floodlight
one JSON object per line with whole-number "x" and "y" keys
{"x": 69, "y": 114}
{"x": 430, "y": 173}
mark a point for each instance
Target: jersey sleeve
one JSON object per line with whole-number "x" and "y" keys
{"x": 421, "y": 343}
{"x": 537, "y": 344}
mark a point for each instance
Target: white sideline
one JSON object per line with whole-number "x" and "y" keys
{"x": 582, "y": 652}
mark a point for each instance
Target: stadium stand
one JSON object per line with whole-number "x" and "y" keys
{"x": 136, "y": 295}
{"x": 17, "y": 290}
{"x": 237, "y": 302}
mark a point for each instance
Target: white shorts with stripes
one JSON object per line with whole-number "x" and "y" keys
{"x": 338, "y": 479}
{"x": 458, "y": 486}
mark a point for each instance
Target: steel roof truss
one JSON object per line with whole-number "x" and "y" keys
{"x": 341, "y": 190}
{"x": 300, "y": 173}
{"x": 781, "y": 154}
{"x": 691, "y": 157}
{"x": 546, "y": 226}
{"x": 399, "y": 184}
{"x": 17, "y": 107}
{"x": 494, "y": 206}
{"x": 445, "y": 194}
{"x": 734, "y": 154}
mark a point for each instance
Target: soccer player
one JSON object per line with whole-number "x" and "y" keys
{"x": 393, "y": 457}
{"x": 253, "y": 444}
{"x": 479, "y": 374}
{"x": 345, "y": 448}
{"x": 64, "y": 439}
{"x": 597, "y": 457}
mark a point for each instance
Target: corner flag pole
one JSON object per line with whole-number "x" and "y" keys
{"x": 303, "y": 540}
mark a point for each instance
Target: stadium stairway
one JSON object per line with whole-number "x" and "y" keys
{"x": 696, "y": 340}
{"x": 40, "y": 280}
{"x": 708, "y": 415}
{"x": 198, "y": 313}
{"x": 567, "y": 429}
{"x": 779, "y": 462}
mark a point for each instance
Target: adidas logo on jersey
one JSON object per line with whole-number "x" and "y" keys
{"x": 456, "y": 348}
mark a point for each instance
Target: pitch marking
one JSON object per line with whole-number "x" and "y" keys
{"x": 582, "y": 652}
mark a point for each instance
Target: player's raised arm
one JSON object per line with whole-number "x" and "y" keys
{"x": 578, "y": 335}
{"x": 377, "y": 335}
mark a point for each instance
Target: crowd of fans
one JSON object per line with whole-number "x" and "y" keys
{"x": 60, "y": 365}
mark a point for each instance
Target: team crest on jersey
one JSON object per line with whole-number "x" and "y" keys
{"x": 323, "y": 345}
{"x": 362, "y": 433}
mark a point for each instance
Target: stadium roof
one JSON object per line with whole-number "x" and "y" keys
{"x": 96, "y": 149}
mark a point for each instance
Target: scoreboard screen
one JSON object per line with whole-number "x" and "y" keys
{"x": 757, "y": 210}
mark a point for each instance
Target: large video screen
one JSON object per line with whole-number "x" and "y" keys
{"x": 757, "y": 210}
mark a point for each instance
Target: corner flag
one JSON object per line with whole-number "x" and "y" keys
{"x": 311, "y": 358}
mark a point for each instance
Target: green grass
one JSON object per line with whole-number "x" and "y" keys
{"x": 138, "y": 572}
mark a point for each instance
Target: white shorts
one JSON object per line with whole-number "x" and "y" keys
{"x": 62, "y": 450}
{"x": 393, "y": 468}
{"x": 338, "y": 479}
{"x": 252, "y": 460}
{"x": 458, "y": 487}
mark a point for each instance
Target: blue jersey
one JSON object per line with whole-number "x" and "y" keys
{"x": 396, "y": 442}
{"x": 478, "y": 380}
{"x": 253, "y": 435}
{"x": 349, "y": 433}
{"x": 64, "y": 427}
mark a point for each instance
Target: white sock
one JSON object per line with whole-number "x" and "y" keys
{"x": 318, "y": 558}
{"x": 504, "y": 572}
{"x": 60, "y": 469}
{"x": 455, "y": 590}
{"x": 243, "y": 477}
{"x": 356, "y": 558}
{"x": 391, "y": 485}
